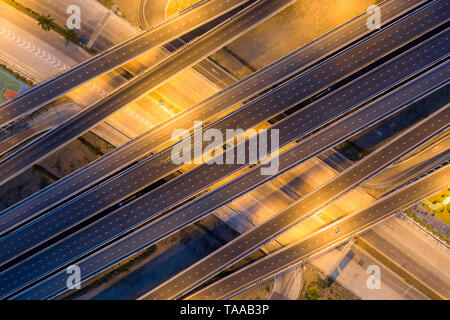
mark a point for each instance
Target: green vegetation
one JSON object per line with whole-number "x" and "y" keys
{"x": 9, "y": 87}
{"x": 312, "y": 294}
{"x": 439, "y": 205}
{"x": 16, "y": 75}
{"x": 70, "y": 36}
{"x": 46, "y": 22}
{"x": 316, "y": 288}
{"x": 427, "y": 226}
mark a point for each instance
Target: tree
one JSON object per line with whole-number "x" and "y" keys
{"x": 45, "y": 22}
{"x": 70, "y": 36}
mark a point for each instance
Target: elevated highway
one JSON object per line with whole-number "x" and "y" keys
{"x": 327, "y": 193}
{"x": 296, "y": 62}
{"x": 195, "y": 210}
{"x": 86, "y": 205}
{"x": 129, "y": 217}
{"x": 350, "y": 227}
{"x": 112, "y": 58}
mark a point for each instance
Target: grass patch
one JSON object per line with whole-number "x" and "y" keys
{"x": 439, "y": 205}
{"x": 9, "y": 87}
{"x": 312, "y": 294}
{"x": 16, "y": 75}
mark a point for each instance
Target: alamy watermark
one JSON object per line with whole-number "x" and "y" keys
{"x": 374, "y": 21}
{"x": 241, "y": 147}
{"x": 74, "y": 19}
{"x": 374, "y": 280}
{"x": 74, "y": 279}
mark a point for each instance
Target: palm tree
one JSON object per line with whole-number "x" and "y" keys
{"x": 45, "y": 22}
{"x": 70, "y": 36}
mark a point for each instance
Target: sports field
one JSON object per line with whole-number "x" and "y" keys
{"x": 9, "y": 87}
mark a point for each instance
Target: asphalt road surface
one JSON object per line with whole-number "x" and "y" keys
{"x": 404, "y": 170}
{"x": 326, "y": 238}
{"x": 112, "y": 58}
{"x": 197, "y": 209}
{"x": 47, "y": 120}
{"x": 97, "y": 199}
{"x": 298, "y": 61}
{"x": 82, "y": 207}
{"x": 306, "y": 206}
{"x": 91, "y": 202}
{"x": 129, "y": 216}
{"x": 184, "y": 58}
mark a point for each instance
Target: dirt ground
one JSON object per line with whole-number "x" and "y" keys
{"x": 23, "y": 186}
{"x": 315, "y": 288}
{"x": 126, "y": 8}
{"x": 295, "y": 26}
{"x": 259, "y": 292}
{"x": 73, "y": 156}
{"x": 175, "y": 6}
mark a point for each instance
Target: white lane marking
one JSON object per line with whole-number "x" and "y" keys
{"x": 31, "y": 48}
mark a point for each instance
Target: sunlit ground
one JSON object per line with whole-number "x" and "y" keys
{"x": 439, "y": 205}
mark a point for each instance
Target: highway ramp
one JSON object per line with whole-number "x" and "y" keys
{"x": 185, "y": 57}
{"x": 112, "y": 58}
{"x": 255, "y": 112}
{"x": 155, "y": 231}
{"x": 327, "y": 193}
{"x": 350, "y": 227}
{"x": 298, "y": 61}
